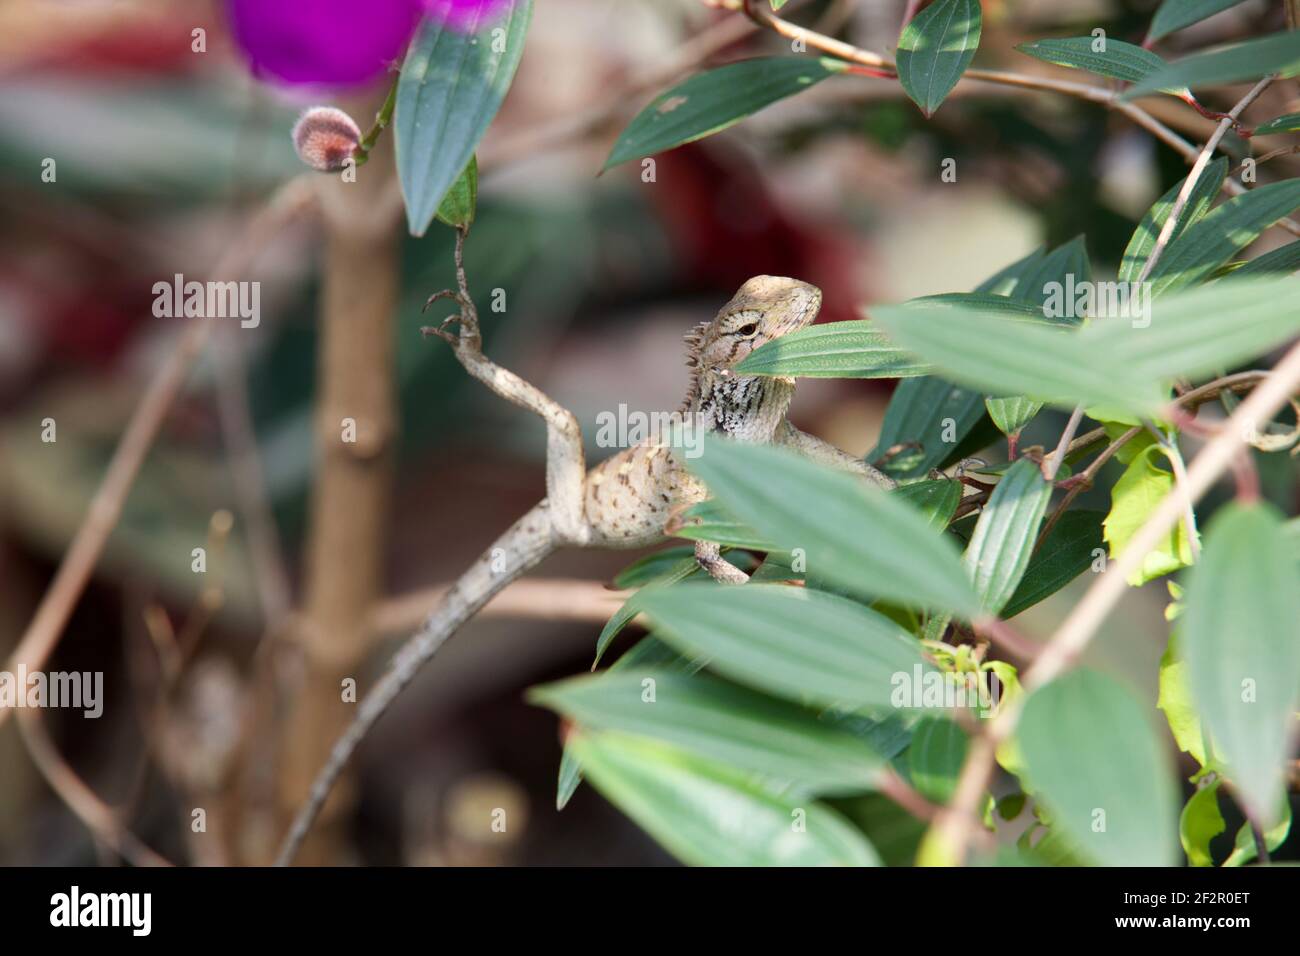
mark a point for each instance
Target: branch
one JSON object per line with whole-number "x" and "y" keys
{"x": 541, "y": 599}
{"x": 1189, "y": 184}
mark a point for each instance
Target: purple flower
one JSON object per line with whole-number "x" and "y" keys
{"x": 340, "y": 43}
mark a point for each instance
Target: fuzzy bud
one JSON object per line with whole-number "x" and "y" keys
{"x": 325, "y": 137}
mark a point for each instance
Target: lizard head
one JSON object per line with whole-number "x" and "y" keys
{"x": 763, "y": 309}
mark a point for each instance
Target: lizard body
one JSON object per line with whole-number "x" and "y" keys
{"x": 626, "y": 500}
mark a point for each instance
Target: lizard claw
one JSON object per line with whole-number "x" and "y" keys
{"x": 440, "y": 330}
{"x": 444, "y": 294}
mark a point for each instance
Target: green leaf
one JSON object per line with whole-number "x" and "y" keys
{"x": 999, "y": 550}
{"x": 1241, "y": 641}
{"x": 451, "y": 86}
{"x": 937, "y": 753}
{"x": 1112, "y": 362}
{"x": 929, "y": 413}
{"x": 937, "y": 499}
{"x": 1068, "y": 550}
{"x": 1117, "y": 59}
{"x": 1012, "y": 414}
{"x": 1281, "y": 261}
{"x": 709, "y": 521}
{"x": 1010, "y": 279}
{"x": 1066, "y": 266}
{"x": 653, "y": 567}
{"x": 1199, "y": 823}
{"x": 1244, "y": 849}
{"x": 1096, "y": 763}
{"x": 935, "y": 48}
{"x": 706, "y": 815}
{"x": 1137, "y": 493}
{"x": 1175, "y": 699}
{"x": 1249, "y": 60}
{"x": 1144, "y": 236}
{"x": 1225, "y": 231}
{"x": 1002, "y": 356}
{"x": 720, "y": 722}
{"x": 794, "y": 642}
{"x": 632, "y": 606}
{"x": 982, "y": 300}
{"x": 1200, "y": 331}
{"x": 457, "y": 208}
{"x": 1176, "y": 14}
{"x": 710, "y": 102}
{"x": 1283, "y": 124}
{"x": 856, "y": 536}
{"x": 647, "y": 654}
{"x": 854, "y": 349}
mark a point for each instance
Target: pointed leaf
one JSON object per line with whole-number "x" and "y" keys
{"x": 721, "y": 722}
{"x": 1249, "y": 60}
{"x": 854, "y": 349}
{"x": 710, "y": 102}
{"x": 935, "y": 48}
{"x": 999, "y": 550}
{"x": 451, "y": 86}
{"x": 852, "y": 534}
{"x": 707, "y": 815}
{"x": 1117, "y": 59}
{"x": 795, "y": 642}
{"x": 1144, "y": 236}
{"x": 1069, "y": 549}
{"x": 1223, "y": 232}
{"x": 1176, "y": 14}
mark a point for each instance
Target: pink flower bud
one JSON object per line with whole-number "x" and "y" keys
{"x": 325, "y": 137}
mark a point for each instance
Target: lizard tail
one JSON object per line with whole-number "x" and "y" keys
{"x": 521, "y": 548}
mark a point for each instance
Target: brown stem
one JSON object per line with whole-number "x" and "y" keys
{"x": 355, "y": 425}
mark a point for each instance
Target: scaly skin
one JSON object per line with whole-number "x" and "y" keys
{"x": 625, "y": 501}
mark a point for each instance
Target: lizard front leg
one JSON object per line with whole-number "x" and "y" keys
{"x": 823, "y": 452}
{"x": 708, "y": 554}
{"x": 565, "y": 460}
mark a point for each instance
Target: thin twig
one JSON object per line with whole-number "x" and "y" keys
{"x": 542, "y": 599}
{"x": 1189, "y": 184}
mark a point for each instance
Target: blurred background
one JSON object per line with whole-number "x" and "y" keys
{"x": 163, "y": 153}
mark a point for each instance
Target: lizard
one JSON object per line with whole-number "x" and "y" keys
{"x": 623, "y": 502}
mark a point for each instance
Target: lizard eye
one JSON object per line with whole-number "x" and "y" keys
{"x": 748, "y": 331}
